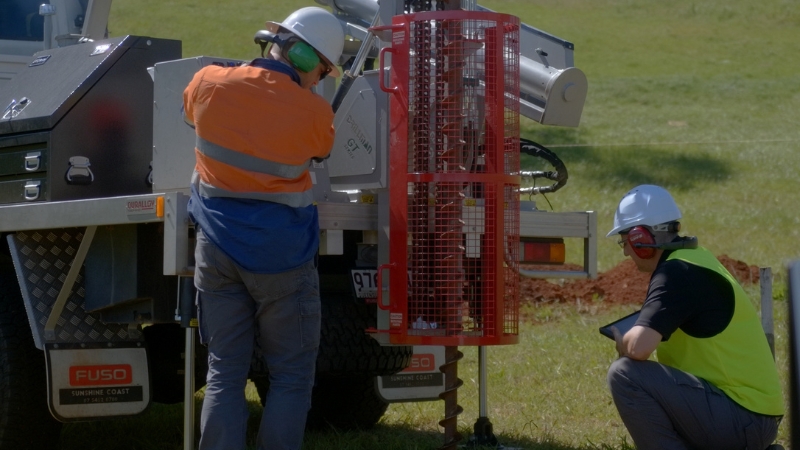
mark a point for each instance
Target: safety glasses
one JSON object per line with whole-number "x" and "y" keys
{"x": 328, "y": 69}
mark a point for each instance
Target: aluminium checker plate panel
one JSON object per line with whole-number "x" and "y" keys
{"x": 42, "y": 259}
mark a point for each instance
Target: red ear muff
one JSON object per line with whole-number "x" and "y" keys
{"x": 645, "y": 240}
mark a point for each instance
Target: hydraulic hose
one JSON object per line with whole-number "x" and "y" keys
{"x": 559, "y": 175}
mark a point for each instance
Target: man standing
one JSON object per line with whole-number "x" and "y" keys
{"x": 258, "y": 126}
{"x": 715, "y": 385}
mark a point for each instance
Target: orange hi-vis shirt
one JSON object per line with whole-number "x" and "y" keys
{"x": 256, "y": 133}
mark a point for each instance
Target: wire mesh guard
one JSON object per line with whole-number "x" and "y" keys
{"x": 454, "y": 179}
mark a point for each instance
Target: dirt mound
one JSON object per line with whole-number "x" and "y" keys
{"x": 623, "y": 284}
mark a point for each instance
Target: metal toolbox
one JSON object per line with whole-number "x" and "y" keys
{"x": 77, "y": 121}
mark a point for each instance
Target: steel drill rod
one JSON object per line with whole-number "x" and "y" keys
{"x": 482, "y": 409}
{"x": 450, "y": 396}
{"x": 188, "y": 391}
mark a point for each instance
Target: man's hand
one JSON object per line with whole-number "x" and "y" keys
{"x": 618, "y": 339}
{"x": 638, "y": 343}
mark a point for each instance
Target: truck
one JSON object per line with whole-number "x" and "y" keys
{"x": 97, "y": 314}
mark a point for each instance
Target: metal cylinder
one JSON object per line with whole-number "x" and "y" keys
{"x": 186, "y": 307}
{"x": 534, "y": 78}
{"x": 47, "y": 11}
{"x": 363, "y": 9}
{"x": 188, "y": 391}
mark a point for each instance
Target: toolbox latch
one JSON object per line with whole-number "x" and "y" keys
{"x": 15, "y": 107}
{"x": 32, "y": 189}
{"x": 79, "y": 172}
{"x": 32, "y": 161}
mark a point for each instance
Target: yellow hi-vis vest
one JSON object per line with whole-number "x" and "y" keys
{"x": 738, "y": 360}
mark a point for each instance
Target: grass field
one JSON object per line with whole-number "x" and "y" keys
{"x": 546, "y": 393}
{"x": 700, "y": 97}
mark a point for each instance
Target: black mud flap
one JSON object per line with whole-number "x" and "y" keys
{"x": 87, "y": 382}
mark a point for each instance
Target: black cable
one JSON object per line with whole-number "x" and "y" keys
{"x": 543, "y": 195}
{"x": 559, "y": 175}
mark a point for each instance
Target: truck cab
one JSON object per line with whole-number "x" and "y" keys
{"x": 29, "y": 26}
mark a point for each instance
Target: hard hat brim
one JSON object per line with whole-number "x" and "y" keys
{"x": 276, "y": 28}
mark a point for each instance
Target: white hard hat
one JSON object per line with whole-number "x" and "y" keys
{"x": 319, "y": 28}
{"x": 645, "y": 205}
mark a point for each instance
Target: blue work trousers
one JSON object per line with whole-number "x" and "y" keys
{"x": 667, "y": 409}
{"x": 236, "y": 307}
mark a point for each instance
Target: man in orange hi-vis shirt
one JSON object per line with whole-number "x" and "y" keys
{"x": 258, "y": 126}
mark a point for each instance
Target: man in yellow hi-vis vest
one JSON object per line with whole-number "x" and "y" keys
{"x": 715, "y": 385}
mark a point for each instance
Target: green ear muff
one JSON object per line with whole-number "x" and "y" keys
{"x": 302, "y": 57}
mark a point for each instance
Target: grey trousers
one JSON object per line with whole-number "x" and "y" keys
{"x": 283, "y": 312}
{"x": 665, "y": 408}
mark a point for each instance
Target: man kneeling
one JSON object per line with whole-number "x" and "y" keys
{"x": 715, "y": 385}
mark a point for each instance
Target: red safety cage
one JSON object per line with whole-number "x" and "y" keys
{"x": 454, "y": 179}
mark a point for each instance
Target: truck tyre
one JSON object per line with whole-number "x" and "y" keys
{"x": 349, "y": 359}
{"x": 26, "y": 419}
{"x": 345, "y": 349}
{"x": 345, "y": 403}
{"x": 166, "y": 345}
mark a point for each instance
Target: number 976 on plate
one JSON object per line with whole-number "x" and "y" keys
{"x": 365, "y": 283}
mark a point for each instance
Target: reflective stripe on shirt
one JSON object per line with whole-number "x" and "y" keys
{"x": 249, "y": 162}
{"x": 293, "y": 199}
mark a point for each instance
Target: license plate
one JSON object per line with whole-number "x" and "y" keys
{"x": 365, "y": 283}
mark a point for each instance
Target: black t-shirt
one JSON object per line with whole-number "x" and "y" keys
{"x": 697, "y": 300}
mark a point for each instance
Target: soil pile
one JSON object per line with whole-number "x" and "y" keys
{"x": 623, "y": 284}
